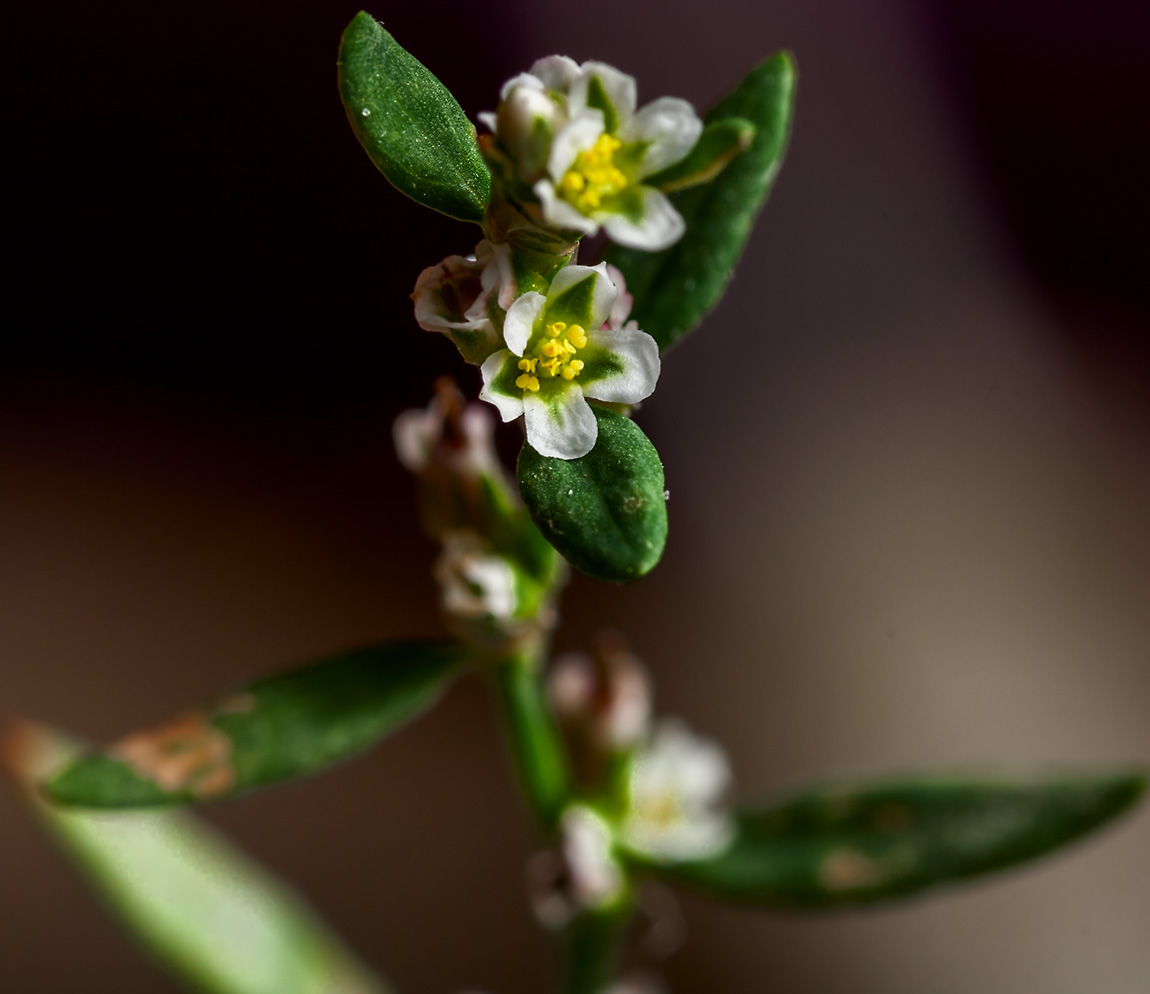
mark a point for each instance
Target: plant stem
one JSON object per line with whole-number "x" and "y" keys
{"x": 592, "y": 945}
{"x": 536, "y": 746}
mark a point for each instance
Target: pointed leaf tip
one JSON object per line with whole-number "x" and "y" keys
{"x": 409, "y": 124}
{"x": 675, "y": 289}
{"x": 278, "y": 728}
{"x": 846, "y": 844}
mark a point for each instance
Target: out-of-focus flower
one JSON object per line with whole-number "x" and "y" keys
{"x": 674, "y": 793}
{"x": 582, "y": 875}
{"x": 579, "y": 143}
{"x": 461, "y": 296}
{"x": 603, "y": 698}
{"x": 560, "y": 351}
{"x": 476, "y": 584}
{"x": 636, "y": 982}
{"x": 447, "y": 434}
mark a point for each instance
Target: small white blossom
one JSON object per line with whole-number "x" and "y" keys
{"x": 475, "y": 583}
{"x": 675, "y": 789}
{"x": 456, "y": 298}
{"x": 447, "y": 435}
{"x": 582, "y": 876}
{"x": 608, "y": 699}
{"x": 562, "y": 349}
{"x": 584, "y": 150}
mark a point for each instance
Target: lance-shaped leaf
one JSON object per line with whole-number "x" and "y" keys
{"x": 844, "y": 844}
{"x": 280, "y": 727}
{"x": 215, "y": 919}
{"x": 605, "y": 511}
{"x": 719, "y": 143}
{"x": 675, "y": 288}
{"x": 411, "y": 126}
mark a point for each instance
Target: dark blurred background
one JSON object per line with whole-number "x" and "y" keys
{"x": 907, "y": 458}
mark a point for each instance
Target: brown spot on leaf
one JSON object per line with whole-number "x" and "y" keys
{"x": 184, "y": 754}
{"x": 848, "y": 869}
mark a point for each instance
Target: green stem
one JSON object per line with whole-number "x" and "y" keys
{"x": 592, "y": 946}
{"x": 536, "y": 746}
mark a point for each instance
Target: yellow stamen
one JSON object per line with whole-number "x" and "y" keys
{"x": 526, "y": 382}
{"x": 551, "y": 349}
{"x": 576, "y": 364}
{"x": 568, "y": 373}
{"x": 577, "y": 336}
{"x": 593, "y": 175}
{"x": 528, "y": 364}
{"x": 556, "y": 328}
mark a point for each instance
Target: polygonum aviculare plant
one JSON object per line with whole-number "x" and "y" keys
{"x": 568, "y": 344}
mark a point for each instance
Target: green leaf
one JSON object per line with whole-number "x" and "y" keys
{"x": 606, "y": 511}
{"x": 410, "y": 125}
{"x": 281, "y": 727}
{"x": 864, "y": 843}
{"x": 719, "y": 143}
{"x": 675, "y": 288}
{"x": 203, "y": 909}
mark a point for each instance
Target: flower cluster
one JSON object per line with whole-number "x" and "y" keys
{"x": 667, "y": 806}
{"x": 494, "y": 571}
{"x": 575, "y": 138}
{"x": 549, "y": 334}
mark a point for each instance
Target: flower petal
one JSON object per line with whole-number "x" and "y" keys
{"x": 621, "y": 309}
{"x": 670, "y": 128}
{"x": 560, "y": 214}
{"x": 577, "y": 135}
{"x": 519, "y": 324}
{"x": 555, "y": 72}
{"x": 530, "y": 80}
{"x": 606, "y": 88}
{"x": 637, "y": 354}
{"x": 603, "y": 291}
{"x": 562, "y": 426}
{"x": 499, "y": 372}
{"x": 658, "y": 225}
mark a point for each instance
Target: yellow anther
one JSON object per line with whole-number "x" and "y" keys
{"x": 550, "y": 349}
{"x": 593, "y": 175}
{"x": 556, "y": 328}
{"x": 528, "y": 364}
{"x": 568, "y": 373}
{"x": 577, "y": 336}
{"x": 568, "y": 346}
{"x": 526, "y": 382}
{"x": 552, "y": 366}
{"x": 576, "y": 364}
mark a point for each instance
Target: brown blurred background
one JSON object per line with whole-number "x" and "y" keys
{"x": 907, "y": 458}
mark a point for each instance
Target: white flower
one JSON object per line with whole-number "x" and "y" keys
{"x": 607, "y": 698}
{"x": 561, "y": 350}
{"x": 676, "y": 785}
{"x": 475, "y": 583}
{"x": 585, "y": 151}
{"x": 582, "y": 876}
{"x": 457, "y": 297}
{"x": 447, "y": 436}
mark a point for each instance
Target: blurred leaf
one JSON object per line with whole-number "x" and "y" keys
{"x": 202, "y": 908}
{"x": 411, "y": 126}
{"x": 858, "y": 844}
{"x": 280, "y": 727}
{"x": 605, "y": 512}
{"x": 719, "y": 143}
{"x": 675, "y": 288}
